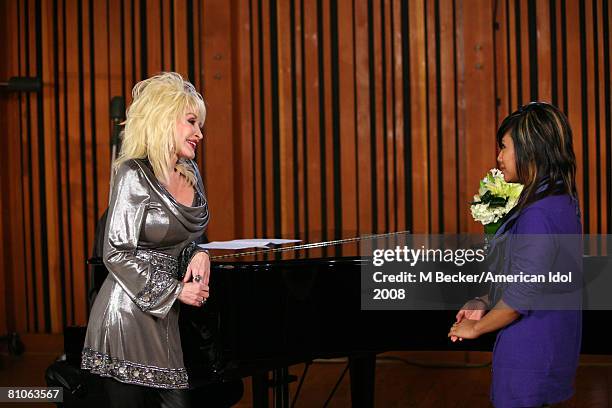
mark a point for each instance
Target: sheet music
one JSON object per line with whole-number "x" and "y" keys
{"x": 247, "y": 243}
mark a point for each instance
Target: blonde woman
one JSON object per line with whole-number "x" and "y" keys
{"x": 157, "y": 211}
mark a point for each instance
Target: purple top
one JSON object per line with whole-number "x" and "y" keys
{"x": 536, "y": 356}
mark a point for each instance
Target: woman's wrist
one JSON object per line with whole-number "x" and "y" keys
{"x": 483, "y": 301}
{"x": 199, "y": 251}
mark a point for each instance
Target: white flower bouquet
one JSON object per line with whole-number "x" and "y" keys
{"x": 495, "y": 198}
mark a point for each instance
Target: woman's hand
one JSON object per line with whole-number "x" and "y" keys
{"x": 194, "y": 294}
{"x": 198, "y": 268}
{"x": 474, "y": 309}
{"x": 499, "y": 317}
{"x": 466, "y": 329}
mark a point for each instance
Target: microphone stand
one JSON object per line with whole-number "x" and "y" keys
{"x": 117, "y": 111}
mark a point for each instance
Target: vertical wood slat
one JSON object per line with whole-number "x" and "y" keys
{"x": 267, "y": 138}
{"x": 389, "y": 134}
{"x": 418, "y": 90}
{"x": 285, "y": 114}
{"x": 432, "y": 116}
{"x": 166, "y": 35}
{"x": 592, "y": 161}
{"x": 600, "y": 72}
{"x": 128, "y": 47}
{"x": 88, "y": 126}
{"x": 154, "y": 34}
{"x": 4, "y": 302}
{"x": 544, "y": 51}
{"x": 524, "y": 43}
{"x": 53, "y": 297}
{"x": 17, "y": 298}
{"x": 116, "y": 58}
{"x": 137, "y": 38}
{"x": 6, "y": 105}
{"x": 219, "y": 151}
{"x": 502, "y": 62}
{"x": 513, "y": 66}
{"x": 197, "y": 22}
{"x": 180, "y": 37}
{"x": 478, "y": 96}
{"x": 32, "y": 146}
{"x": 608, "y": 114}
{"x": 346, "y": 88}
{"x": 87, "y": 134}
{"x": 300, "y": 123}
{"x": 101, "y": 105}
{"x": 398, "y": 109}
{"x": 362, "y": 86}
{"x": 561, "y": 68}
{"x": 328, "y": 121}
{"x": 447, "y": 94}
{"x": 243, "y": 119}
{"x": 257, "y": 83}
{"x": 377, "y": 83}
{"x": 574, "y": 98}
{"x": 24, "y": 128}
{"x": 73, "y": 129}
{"x": 312, "y": 141}
{"x": 68, "y": 295}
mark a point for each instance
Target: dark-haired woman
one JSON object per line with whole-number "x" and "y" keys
{"x": 537, "y": 348}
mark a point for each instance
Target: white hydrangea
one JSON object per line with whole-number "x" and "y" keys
{"x": 494, "y": 183}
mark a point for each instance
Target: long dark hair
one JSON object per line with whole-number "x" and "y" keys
{"x": 545, "y": 159}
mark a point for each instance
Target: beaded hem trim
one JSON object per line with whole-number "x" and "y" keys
{"x": 133, "y": 373}
{"x": 164, "y": 274}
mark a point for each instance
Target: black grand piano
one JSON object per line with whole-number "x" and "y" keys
{"x": 270, "y": 309}
{"x": 276, "y": 308}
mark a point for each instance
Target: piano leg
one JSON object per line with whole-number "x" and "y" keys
{"x": 260, "y": 389}
{"x": 362, "y": 368}
{"x": 281, "y": 379}
{"x": 280, "y": 385}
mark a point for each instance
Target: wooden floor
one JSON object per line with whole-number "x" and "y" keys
{"x": 401, "y": 380}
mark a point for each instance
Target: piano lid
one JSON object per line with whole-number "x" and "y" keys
{"x": 312, "y": 249}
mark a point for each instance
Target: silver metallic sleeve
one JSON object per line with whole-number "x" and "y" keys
{"x": 148, "y": 280}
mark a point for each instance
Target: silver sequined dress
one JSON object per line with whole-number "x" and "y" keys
{"x": 133, "y": 334}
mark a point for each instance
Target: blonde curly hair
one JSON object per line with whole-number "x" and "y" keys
{"x": 150, "y": 127}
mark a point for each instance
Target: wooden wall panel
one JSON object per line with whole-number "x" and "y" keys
{"x": 325, "y": 119}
